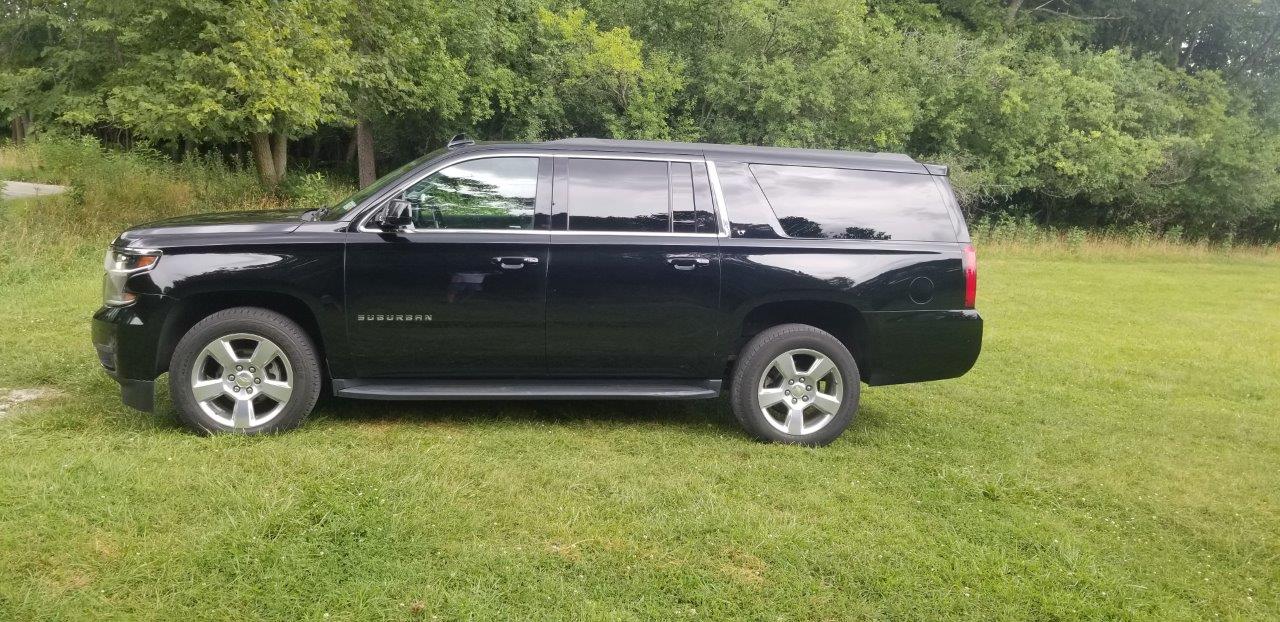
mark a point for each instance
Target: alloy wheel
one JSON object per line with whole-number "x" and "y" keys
{"x": 800, "y": 391}
{"x": 242, "y": 380}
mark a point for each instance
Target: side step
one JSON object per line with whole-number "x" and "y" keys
{"x": 527, "y": 389}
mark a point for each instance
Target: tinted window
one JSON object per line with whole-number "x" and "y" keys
{"x": 684, "y": 215}
{"x": 706, "y": 211}
{"x": 749, "y": 212}
{"x": 618, "y": 195}
{"x": 491, "y": 193}
{"x": 813, "y": 202}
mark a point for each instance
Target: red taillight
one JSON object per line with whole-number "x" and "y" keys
{"x": 970, "y": 263}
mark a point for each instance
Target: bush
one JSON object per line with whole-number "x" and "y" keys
{"x": 311, "y": 190}
{"x": 112, "y": 190}
{"x": 1075, "y": 239}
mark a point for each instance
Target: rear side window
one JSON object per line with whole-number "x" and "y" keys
{"x": 639, "y": 195}
{"x": 749, "y": 213}
{"x": 815, "y": 202}
{"x": 691, "y": 209}
{"x": 618, "y": 195}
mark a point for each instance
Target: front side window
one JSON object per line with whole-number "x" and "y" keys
{"x": 489, "y": 193}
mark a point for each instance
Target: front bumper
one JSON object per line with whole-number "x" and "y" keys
{"x": 126, "y": 340}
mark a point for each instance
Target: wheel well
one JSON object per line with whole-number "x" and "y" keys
{"x": 190, "y": 310}
{"x": 843, "y": 321}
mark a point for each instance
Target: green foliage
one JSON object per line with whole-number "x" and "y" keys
{"x": 225, "y": 70}
{"x": 312, "y": 190}
{"x": 595, "y": 82}
{"x": 1084, "y": 113}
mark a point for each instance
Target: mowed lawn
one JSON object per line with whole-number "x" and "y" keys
{"x": 1115, "y": 454}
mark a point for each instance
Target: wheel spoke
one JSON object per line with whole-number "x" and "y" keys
{"x": 820, "y": 368}
{"x": 221, "y": 352}
{"x": 205, "y": 390}
{"x": 264, "y": 353}
{"x": 278, "y": 391}
{"x": 242, "y": 415}
{"x": 829, "y": 404}
{"x": 795, "y": 420}
{"x": 769, "y": 397}
{"x": 786, "y": 364}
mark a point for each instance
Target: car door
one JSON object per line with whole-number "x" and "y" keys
{"x": 634, "y": 275}
{"x": 461, "y": 292}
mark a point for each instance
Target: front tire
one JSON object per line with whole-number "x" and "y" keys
{"x": 244, "y": 370}
{"x": 795, "y": 384}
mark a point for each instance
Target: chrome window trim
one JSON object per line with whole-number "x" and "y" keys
{"x": 665, "y": 234}
{"x": 363, "y": 220}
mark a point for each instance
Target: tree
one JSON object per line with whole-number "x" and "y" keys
{"x": 257, "y": 70}
{"x": 586, "y": 81}
{"x": 401, "y": 66}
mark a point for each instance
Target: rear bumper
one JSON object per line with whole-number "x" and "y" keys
{"x": 126, "y": 340}
{"x": 915, "y": 346}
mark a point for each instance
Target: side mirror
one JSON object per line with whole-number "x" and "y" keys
{"x": 398, "y": 213}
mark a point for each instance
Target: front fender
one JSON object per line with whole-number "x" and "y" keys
{"x": 288, "y": 278}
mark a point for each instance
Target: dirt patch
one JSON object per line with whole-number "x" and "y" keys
{"x": 9, "y": 398}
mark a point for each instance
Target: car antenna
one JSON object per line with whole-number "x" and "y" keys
{"x": 460, "y": 140}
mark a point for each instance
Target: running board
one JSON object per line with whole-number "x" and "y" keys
{"x": 527, "y": 389}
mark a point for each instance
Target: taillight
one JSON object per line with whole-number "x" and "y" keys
{"x": 970, "y": 263}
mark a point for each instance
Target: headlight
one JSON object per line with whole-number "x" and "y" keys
{"x": 120, "y": 263}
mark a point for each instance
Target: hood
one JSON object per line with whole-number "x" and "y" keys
{"x": 254, "y": 221}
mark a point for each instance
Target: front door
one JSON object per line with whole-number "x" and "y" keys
{"x": 462, "y": 292}
{"x": 634, "y": 277}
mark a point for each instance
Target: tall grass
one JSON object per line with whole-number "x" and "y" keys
{"x": 1023, "y": 236}
{"x": 112, "y": 190}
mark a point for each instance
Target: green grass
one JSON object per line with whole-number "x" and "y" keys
{"x": 1113, "y": 455}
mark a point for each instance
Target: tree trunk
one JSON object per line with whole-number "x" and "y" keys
{"x": 1012, "y": 13}
{"x": 314, "y": 158}
{"x": 263, "y": 159}
{"x": 279, "y": 153}
{"x": 351, "y": 149}
{"x": 364, "y": 153}
{"x": 17, "y": 129}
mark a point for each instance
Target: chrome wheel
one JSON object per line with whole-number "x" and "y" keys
{"x": 242, "y": 380}
{"x": 800, "y": 391}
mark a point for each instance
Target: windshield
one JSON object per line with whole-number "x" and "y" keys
{"x": 340, "y": 208}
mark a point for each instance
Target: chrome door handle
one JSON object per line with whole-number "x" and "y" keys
{"x": 680, "y": 262}
{"x": 514, "y": 263}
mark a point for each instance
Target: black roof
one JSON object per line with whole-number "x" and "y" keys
{"x": 734, "y": 153}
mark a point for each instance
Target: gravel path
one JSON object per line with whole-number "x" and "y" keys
{"x": 22, "y": 189}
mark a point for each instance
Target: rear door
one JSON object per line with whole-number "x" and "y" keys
{"x": 634, "y": 273}
{"x": 462, "y": 293}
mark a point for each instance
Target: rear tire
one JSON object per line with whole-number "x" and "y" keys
{"x": 795, "y": 384}
{"x": 244, "y": 370}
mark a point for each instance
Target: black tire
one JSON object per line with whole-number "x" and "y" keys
{"x": 287, "y": 335}
{"x": 757, "y": 358}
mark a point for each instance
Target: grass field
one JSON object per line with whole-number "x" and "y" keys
{"x": 1115, "y": 454}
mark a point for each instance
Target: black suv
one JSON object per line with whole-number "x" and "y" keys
{"x": 572, "y": 269}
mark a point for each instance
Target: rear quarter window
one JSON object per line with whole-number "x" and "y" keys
{"x": 835, "y": 203}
